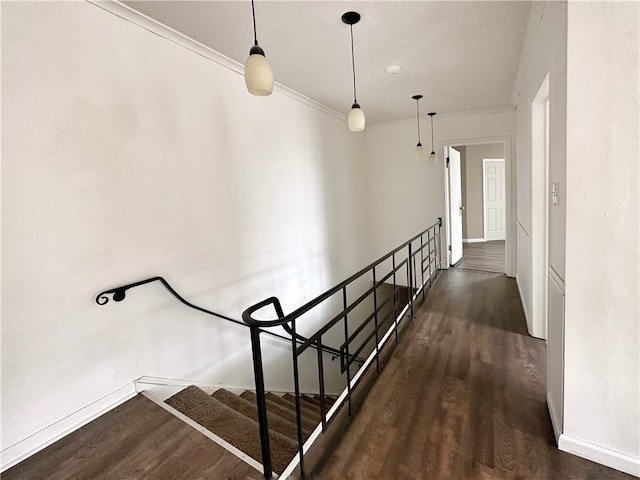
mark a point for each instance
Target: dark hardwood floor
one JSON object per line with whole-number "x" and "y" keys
{"x": 137, "y": 440}
{"x": 484, "y": 256}
{"x": 462, "y": 397}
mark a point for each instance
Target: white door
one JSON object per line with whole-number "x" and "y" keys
{"x": 455, "y": 205}
{"x": 494, "y": 199}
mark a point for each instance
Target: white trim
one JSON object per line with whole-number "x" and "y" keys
{"x": 142, "y": 382}
{"x": 539, "y": 210}
{"x": 557, "y": 279}
{"x": 522, "y": 301}
{"x": 599, "y": 454}
{"x": 207, "y": 433}
{"x": 479, "y": 111}
{"x": 474, "y": 240}
{"x": 127, "y": 13}
{"x": 510, "y": 165}
{"x": 17, "y": 452}
{"x": 556, "y": 421}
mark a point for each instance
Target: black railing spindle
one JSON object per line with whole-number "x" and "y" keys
{"x": 348, "y": 355}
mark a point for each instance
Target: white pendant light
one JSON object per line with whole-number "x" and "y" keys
{"x": 356, "y": 119}
{"x": 258, "y": 75}
{"x": 419, "y": 147}
{"x": 432, "y": 156}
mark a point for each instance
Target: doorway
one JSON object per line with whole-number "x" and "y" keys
{"x": 479, "y": 231}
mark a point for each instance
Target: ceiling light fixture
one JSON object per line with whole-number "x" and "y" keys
{"x": 258, "y": 75}
{"x": 433, "y": 157}
{"x": 419, "y": 148}
{"x": 356, "y": 115}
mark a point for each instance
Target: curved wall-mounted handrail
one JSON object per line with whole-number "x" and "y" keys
{"x": 118, "y": 294}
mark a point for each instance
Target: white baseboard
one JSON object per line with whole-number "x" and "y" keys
{"x": 556, "y": 421}
{"x": 18, "y": 452}
{"x": 596, "y": 453}
{"x": 473, "y": 240}
{"x": 525, "y": 308}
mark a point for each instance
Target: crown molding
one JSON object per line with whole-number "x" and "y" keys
{"x": 153, "y": 26}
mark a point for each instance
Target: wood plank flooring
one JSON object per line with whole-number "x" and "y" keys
{"x": 484, "y": 256}
{"x": 462, "y": 397}
{"x": 137, "y": 440}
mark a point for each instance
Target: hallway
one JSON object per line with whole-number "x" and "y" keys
{"x": 483, "y": 256}
{"x": 462, "y": 397}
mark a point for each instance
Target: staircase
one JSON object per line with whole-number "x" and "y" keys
{"x": 234, "y": 418}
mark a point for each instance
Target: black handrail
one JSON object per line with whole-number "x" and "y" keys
{"x": 300, "y": 344}
{"x": 118, "y": 294}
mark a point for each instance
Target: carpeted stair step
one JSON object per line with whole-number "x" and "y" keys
{"x": 305, "y": 405}
{"x": 315, "y": 403}
{"x": 329, "y": 400}
{"x": 248, "y": 409}
{"x": 285, "y": 411}
{"x": 232, "y": 426}
{"x": 288, "y": 400}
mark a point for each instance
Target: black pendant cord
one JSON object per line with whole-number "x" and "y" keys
{"x": 432, "y": 151}
{"x": 418, "y": 117}
{"x": 255, "y": 32}
{"x": 353, "y": 67}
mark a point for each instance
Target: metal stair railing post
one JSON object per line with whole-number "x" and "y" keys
{"x": 410, "y": 280}
{"x": 439, "y": 240}
{"x": 296, "y": 386}
{"x": 395, "y": 296}
{"x": 422, "y": 263}
{"x": 375, "y": 316}
{"x": 261, "y": 400}
{"x": 346, "y": 341}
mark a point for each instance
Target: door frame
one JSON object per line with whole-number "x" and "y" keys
{"x": 484, "y": 194}
{"x": 540, "y": 193}
{"x": 449, "y": 213}
{"x": 510, "y": 179}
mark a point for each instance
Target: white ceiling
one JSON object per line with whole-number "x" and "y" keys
{"x": 461, "y": 55}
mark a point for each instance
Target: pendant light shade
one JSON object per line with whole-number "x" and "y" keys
{"x": 432, "y": 156}
{"x": 258, "y": 76}
{"x": 356, "y": 118}
{"x": 419, "y": 147}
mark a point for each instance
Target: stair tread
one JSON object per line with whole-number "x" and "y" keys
{"x": 312, "y": 409}
{"x": 329, "y": 400}
{"x": 285, "y": 411}
{"x": 248, "y": 408}
{"x": 288, "y": 401}
{"x": 235, "y": 428}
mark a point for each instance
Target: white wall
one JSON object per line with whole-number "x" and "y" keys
{"x": 544, "y": 52}
{"x": 124, "y": 156}
{"x": 602, "y": 338}
{"x": 405, "y": 190}
{"x": 590, "y": 51}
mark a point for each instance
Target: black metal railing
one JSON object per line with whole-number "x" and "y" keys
{"x": 118, "y": 294}
{"x": 417, "y": 261}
